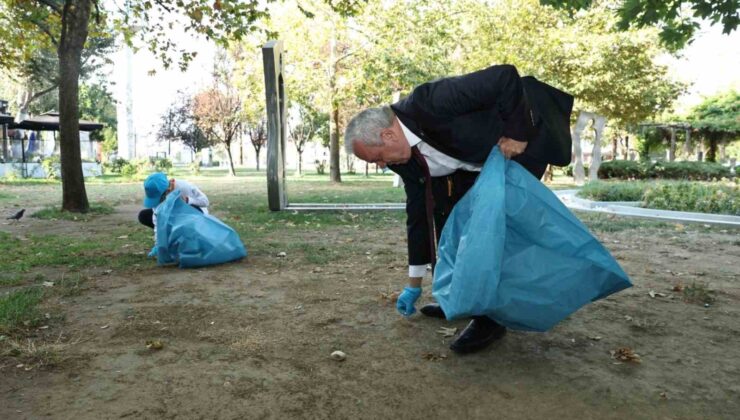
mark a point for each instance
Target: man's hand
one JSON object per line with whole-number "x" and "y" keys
{"x": 511, "y": 148}
{"x": 153, "y": 252}
{"x": 405, "y": 302}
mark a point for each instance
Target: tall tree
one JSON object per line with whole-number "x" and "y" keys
{"x": 257, "y": 132}
{"x": 178, "y": 124}
{"x": 302, "y": 130}
{"x": 218, "y": 110}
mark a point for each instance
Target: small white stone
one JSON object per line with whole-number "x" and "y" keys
{"x": 281, "y": 254}
{"x": 338, "y": 356}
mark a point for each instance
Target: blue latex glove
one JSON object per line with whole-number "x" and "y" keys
{"x": 405, "y": 302}
{"x": 153, "y": 252}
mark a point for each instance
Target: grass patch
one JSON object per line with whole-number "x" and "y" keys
{"x": 56, "y": 213}
{"x": 10, "y": 279}
{"x": 18, "y": 256}
{"x": 600, "y": 222}
{"x": 698, "y": 293}
{"x": 19, "y": 309}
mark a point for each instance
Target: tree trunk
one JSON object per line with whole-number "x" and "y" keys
{"x": 241, "y": 150}
{"x": 75, "y": 20}
{"x": 257, "y": 153}
{"x": 712, "y": 151}
{"x": 300, "y": 163}
{"x": 334, "y": 172}
{"x": 615, "y": 140}
{"x": 232, "y": 172}
{"x": 626, "y": 146}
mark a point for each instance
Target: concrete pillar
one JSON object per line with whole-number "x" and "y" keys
{"x": 272, "y": 57}
{"x": 593, "y": 170}
{"x": 578, "y": 172}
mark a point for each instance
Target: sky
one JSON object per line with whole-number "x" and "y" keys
{"x": 710, "y": 64}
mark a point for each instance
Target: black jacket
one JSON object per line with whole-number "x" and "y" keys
{"x": 465, "y": 116}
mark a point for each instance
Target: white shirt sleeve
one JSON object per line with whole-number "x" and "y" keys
{"x": 417, "y": 270}
{"x": 154, "y": 222}
{"x": 195, "y": 196}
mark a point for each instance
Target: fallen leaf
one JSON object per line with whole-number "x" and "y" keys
{"x": 104, "y": 327}
{"x": 595, "y": 338}
{"x": 447, "y": 332}
{"x": 154, "y": 345}
{"x": 391, "y": 297}
{"x": 122, "y": 237}
{"x": 48, "y": 284}
{"x": 653, "y": 294}
{"x": 678, "y": 288}
{"x": 433, "y": 357}
{"x": 625, "y": 354}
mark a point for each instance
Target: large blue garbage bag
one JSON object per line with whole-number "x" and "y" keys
{"x": 512, "y": 251}
{"x": 191, "y": 238}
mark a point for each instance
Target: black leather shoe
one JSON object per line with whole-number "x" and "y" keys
{"x": 481, "y": 332}
{"x": 433, "y": 310}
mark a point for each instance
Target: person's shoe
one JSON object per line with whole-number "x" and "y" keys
{"x": 432, "y": 310}
{"x": 481, "y": 332}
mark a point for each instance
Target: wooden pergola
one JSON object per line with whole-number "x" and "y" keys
{"x": 672, "y": 127}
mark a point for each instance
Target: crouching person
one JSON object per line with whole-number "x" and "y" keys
{"x": 156, "y": 188}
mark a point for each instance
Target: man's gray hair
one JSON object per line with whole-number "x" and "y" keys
{"x": 366, "y": 127}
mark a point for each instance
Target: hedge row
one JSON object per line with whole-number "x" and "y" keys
{"x": 718, "y": 198}
{"x": 628, "y": 169}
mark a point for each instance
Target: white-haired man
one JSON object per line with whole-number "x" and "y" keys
{"x": 437, "y": 140}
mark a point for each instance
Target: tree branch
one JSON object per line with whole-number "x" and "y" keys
{"x": 45, "y": 29}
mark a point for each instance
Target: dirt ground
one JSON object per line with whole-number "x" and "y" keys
{"x": 253, "y": 339}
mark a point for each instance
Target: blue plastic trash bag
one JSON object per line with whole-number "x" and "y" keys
{"x": 191, "y": 238}
{"x": 512, "y": 251}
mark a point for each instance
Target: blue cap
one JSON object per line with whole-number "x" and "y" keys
{"x": 155, "y": 185}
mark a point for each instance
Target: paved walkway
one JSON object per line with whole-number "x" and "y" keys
{"x": 628, "y": 208}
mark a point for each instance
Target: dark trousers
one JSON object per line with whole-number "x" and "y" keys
{"x": 146, "y": 216}
{"x": 448, "y": 190}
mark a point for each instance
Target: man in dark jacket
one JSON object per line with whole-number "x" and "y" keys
{"x": 437, "y": 140}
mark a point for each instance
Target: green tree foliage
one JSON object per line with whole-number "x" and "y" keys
{"x": 717, "y": 119}
{"x": 97, "y": 104}
{"x": 678, "y": 20}
{"x": 609, "y": 72}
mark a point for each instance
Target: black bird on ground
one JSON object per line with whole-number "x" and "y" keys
{"x": 17, "y": 216}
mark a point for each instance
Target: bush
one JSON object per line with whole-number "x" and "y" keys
{"x": 613, "y": 191}
{"x": 623, "y": 169}
{"x": 320, "y": 166}
{"x": 698, "y": 171}
{"x": 51, "y": 166}
{"x": 694, "y": 197}
{"x": 115, "y": 166}
{"x": 161, "y": 165}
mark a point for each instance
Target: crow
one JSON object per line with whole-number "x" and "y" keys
{"x": 17, "y": 216}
